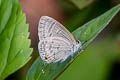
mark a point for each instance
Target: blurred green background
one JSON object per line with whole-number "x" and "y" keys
{"x": 101, "y": 60}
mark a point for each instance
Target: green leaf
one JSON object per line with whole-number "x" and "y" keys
{"x": 14, "y": 42}
{"x": 79, "y": 17}
{"x": 89, "y": 31}
{"x": 81, "y": 3}
{"x": 86, "y": 34}
{"x": 95, "y": 63}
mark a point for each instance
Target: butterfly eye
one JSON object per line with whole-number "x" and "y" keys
{"x": 78, "y": 41}
{"x": 46, "y": 57}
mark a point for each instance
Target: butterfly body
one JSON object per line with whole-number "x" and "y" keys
{"x": 55, "y": 42}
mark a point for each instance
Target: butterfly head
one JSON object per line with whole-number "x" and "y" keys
{"x": 77, "y": 46}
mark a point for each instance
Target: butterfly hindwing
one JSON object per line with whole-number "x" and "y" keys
{"x": 56, "y": 48}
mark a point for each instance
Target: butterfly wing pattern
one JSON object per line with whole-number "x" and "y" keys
{"x": 56, "y": 43}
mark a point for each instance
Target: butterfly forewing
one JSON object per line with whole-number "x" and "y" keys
{"x": 48, "y": 27}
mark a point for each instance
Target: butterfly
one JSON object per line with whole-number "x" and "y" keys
{"x": 56, "y": 43}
